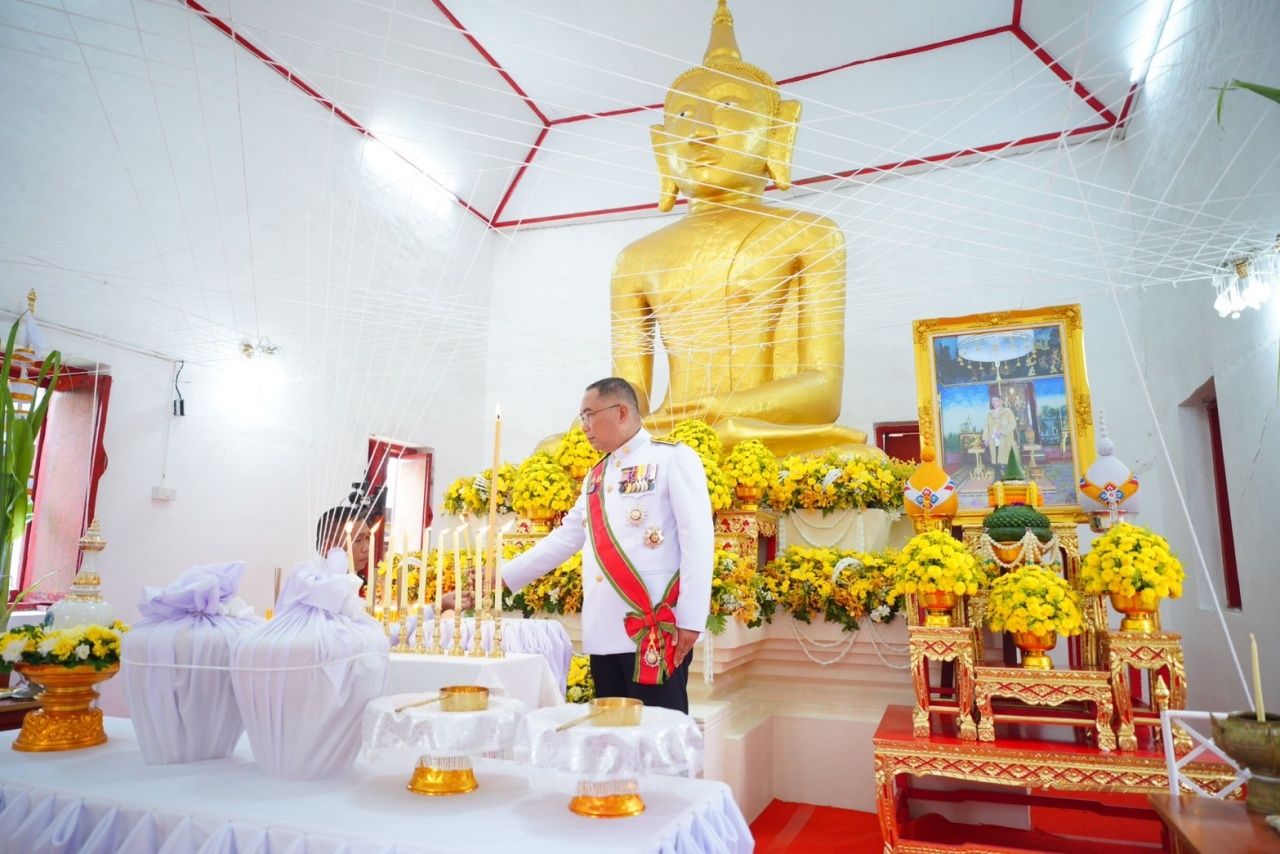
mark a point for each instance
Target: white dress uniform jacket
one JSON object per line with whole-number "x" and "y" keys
{"x": 652, "y": 491}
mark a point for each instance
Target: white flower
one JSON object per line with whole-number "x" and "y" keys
{"x": 880, "y": 614}
{"x": 13, "y": 649}
{"x": 46, "y": 646}
{"x": 82, "y": 651}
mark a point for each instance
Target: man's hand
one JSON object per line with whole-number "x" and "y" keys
{"x": 685, "y": 639}
{"x": 449, "y": 599}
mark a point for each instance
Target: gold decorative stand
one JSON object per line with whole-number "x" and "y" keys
{"x": 436, "y": 781}
{"x": 739, "y": 531}
{"x": 1160, "y": 655}
{"x": 943, "y": 643}
{"x": 1045, "y": 688}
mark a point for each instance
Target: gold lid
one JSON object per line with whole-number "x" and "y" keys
{"x": 92, "y": 541}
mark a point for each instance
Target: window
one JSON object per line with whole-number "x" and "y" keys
{"x": 1204, "y": 481}
{"x": 899, "y": 439}
{"x": 405, "y": 474}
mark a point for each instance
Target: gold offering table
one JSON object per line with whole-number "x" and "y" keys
{"x": 1031, "y": 763}
{"x": 1159, "y": 654}
{"x": 943, "y": 644}
{"x": 1045, "y": 688}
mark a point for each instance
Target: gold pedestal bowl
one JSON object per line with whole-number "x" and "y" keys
{"x": 66, "y": 719}
{"x": 452, "y": 775}
{"x": 616, "y": 798}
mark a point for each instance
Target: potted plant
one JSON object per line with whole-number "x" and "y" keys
{"x": 1136, "y": 568}
{"x": 938, "y": 569}
{"x": 1036, "y": 605}
{"x": 753, "y": 468}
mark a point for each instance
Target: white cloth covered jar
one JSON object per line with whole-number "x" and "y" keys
{"x": 175, "y": 665}
{"x": 303, "y": 678}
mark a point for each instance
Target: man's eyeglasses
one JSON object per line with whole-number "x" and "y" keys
{"x": 587, "y": 414}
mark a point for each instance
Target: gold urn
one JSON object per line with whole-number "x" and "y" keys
{"x": 938, "y": 605}
{"x": 66, "y": 719}
{"x": 1137, "y": 616}
{"x": 748, "y": 496}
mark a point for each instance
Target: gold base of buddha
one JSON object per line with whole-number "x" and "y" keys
{"x": 609, "y": 806}
{"x": 435, "y": 782}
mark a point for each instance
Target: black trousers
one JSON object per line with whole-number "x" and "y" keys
{"x": 612, "y": 675}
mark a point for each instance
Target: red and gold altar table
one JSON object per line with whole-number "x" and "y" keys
{"x": 1040, "y": 765}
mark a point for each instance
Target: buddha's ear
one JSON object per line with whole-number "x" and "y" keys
{"x": 782, "y": 140}
{"x": 667, "y": 186}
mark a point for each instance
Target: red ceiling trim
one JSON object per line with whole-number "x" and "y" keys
{"x": 1037, "y": 139}
{"x": 1128, "y": 105}
{"x": 279, "y": 68}
{"x": 497, "y": 66}
{"x": 1064, "y": 75}
{"x": 897, "y": 54}
{"x": 528, "y": 158}
{"x": 1017, "y": 14}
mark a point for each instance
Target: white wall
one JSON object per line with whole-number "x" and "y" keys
{"x": 1219, "y": 182}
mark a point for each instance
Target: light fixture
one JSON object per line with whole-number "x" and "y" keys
{"x": 1246, "y": 282}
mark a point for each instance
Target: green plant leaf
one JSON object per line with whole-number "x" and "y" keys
{"x": 1270, "y": 92}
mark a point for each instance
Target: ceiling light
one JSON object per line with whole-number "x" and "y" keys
{"x": 1246, "y": 282}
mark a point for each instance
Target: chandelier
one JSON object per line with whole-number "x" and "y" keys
{"x": 1246, "y": 282}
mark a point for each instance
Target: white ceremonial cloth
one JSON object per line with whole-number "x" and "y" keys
{"x": 175, "y": 665}
{"x": 104, "y": 800}
{"x": 544, "y": 637}
{"x": 665, "y": 742}
{"x": 430, "y": 731}
{"x": 302, "y": 679}
{"x": 524, "y": 677}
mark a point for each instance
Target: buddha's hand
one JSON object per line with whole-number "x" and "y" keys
{"x": 699, "y": 407}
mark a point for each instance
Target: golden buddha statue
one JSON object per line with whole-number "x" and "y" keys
{"x": 748, "y": 298}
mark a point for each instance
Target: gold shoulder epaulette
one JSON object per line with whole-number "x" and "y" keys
{"x": 663, "y": 440}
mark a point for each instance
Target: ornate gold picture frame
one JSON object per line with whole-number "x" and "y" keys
{"x": 1010, "y": 382}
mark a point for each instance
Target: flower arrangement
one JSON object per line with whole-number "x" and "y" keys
{"x": 1034, "y": 599}
{"x": 94, "y": 646}
{"x": 737, "y": 591}
{"x": 803, "y": 484}
{"x": 843, "y": 586}
{"x": 838, "y": 482}
{"x": 699, "y": 435}
{"x": 936, "y": 562}
{"x": 1130, "y": 560}
{"x": 872, "y": 483}
{"x": 556, "y": 592}
{"x": 582, "y": 688}
{"x": 718, "y": 486}
{"x": 574, "y": 453}
{"x": 541, "y": 484}
{"x": 751, "y": 464}
{"x": 416, "y": 568}
{"x": 471, "y": 494}
{"x": 460, "y": 496}
{"x": 861, "y": 590}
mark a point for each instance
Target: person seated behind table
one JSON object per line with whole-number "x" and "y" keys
{"x": 331, "y": 533}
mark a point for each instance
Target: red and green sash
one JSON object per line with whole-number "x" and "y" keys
{"x": 652, "y": 628}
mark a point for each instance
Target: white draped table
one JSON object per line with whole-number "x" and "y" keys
{"x": 547, "y": 638}
{"x": 525, "y": 677}
{"x": 104, "y": 800}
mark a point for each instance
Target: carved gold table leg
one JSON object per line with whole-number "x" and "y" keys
{"x": 920, "y": 717}
{"x": 964, "y": 696}
{"x": 886, "y": 804}
{"x": 1124, "y": 708}
{"x": 986, "y": 717}
{"x": 1106, "y": 735}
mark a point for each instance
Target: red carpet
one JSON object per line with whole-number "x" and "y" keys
{"x": 803, "y": 827}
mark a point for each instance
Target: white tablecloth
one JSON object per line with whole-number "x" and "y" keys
{"x": 104, "y": 800}
{"x": 524, "y": 677}
{"x": 544, "y": 637}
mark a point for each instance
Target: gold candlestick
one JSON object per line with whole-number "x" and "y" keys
{"x": 496, "y": 651}
{"x": 435, "y": 648}
{"x": 420, "y": 636}
{"x": 402, "y": 634}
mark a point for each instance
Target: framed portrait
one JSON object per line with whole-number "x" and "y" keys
{"x": 992, "y": 386}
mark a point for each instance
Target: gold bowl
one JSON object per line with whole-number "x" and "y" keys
{"x": 464, "y": 698}
{"x": 616, "y": 711}
{"x": 66, "y": 719}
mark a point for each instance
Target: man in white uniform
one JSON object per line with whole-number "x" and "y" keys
{"x": 644, "y": 526}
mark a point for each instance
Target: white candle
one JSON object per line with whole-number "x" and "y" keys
{"x": 439, "y": 575}
{"x": 351, "y": 557}
{"x": 371, "y": 574}
{"x": 479, "y": 573}
{"x": 386, "y": 585}
{"x": 1259, "y": 704}
{"x": 457, "y": 569}
{"x": 497, "y": 572}
{"x": 422, "y": 570}
{"x": 402, "y": 579}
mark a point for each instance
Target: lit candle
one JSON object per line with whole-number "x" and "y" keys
{"x": 479, "y": 588}
{"x": 1259, "y": 704}
{"x": 386, "y": 584}
{"x": 371, "y": 574}
{"x": 422, "y": 570}
{"x": 493, "y": 489}
{"x": 497, "y": 571}
{"x": 351, "y": 557}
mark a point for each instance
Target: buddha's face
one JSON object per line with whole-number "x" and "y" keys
{"x": 715, "y": 134}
